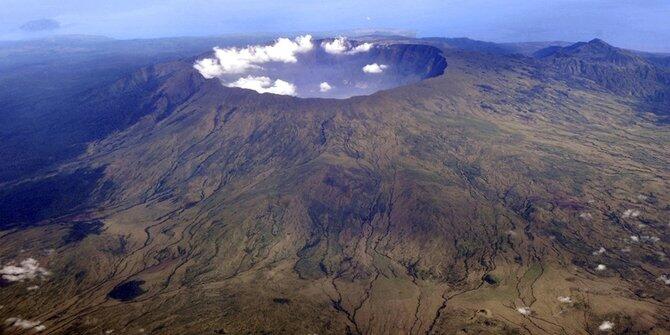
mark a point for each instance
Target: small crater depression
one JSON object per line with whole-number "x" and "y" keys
{"x": 281, "y": 301}
{"x": 491, "y": 279}
{"x": 328, "y": 68}
{"x": 127, "y": 291}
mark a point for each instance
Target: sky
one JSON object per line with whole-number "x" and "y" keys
{"x": 634, "y": 24}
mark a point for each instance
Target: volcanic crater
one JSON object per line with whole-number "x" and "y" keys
{"x": 327, "y": 68}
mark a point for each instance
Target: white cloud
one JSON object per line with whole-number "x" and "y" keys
{"x": 336, "y": 47}
{"x": 264, "y": 85}
{"x": 232, "y": 61}
{"x": 237, "y": 61}
{"x": 209, "y": 67}
{"x": 28, "y": 269}
{"x": 374, "y": 68}
{"x": 647, "y": 238}
{"x": 341, "y": 46}
{"x": 601, "y": 267}
{"x": 361, "y": 85}
{"x": 524, "y": 310}
{"x": 631, "y": 213}
{"x": 25, "y": 324}
{"x": 231, "y": 64}
{"x": 325, "y": 87}
{"x": 599, "y": 251}
{"x": 365, "y": 47}
{"x": 606, "y": 325}
{"x": 565, "y": 300}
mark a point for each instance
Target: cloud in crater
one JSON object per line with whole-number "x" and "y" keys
{"x": 325, "y": 87}
{"x": 287, "y": 64}
{"x": 235, "y": 61}
{"x": 264, "y": 85}
{"x": 341, "y": 46}
{"x": 374, "y": 68}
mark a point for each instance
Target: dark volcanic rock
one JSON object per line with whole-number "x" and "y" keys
{"x": 79, "y": 230}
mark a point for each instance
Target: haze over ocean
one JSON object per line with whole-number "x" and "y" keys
{"x": 635, "y": 24}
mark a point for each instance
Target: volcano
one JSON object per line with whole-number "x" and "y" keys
{"x": 458, "y": 192}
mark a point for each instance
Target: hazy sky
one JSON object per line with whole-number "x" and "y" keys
{"x": 638, "y": 24}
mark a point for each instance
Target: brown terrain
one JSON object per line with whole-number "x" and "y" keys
{"x": 510, "y": 195}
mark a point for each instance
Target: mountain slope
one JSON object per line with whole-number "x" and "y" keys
{"x": 617, "y": 70}
{"x": 49, "y": 110}
{"x": 444, "y": 206}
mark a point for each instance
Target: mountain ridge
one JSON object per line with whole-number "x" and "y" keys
{"x": 618, "y": 70}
